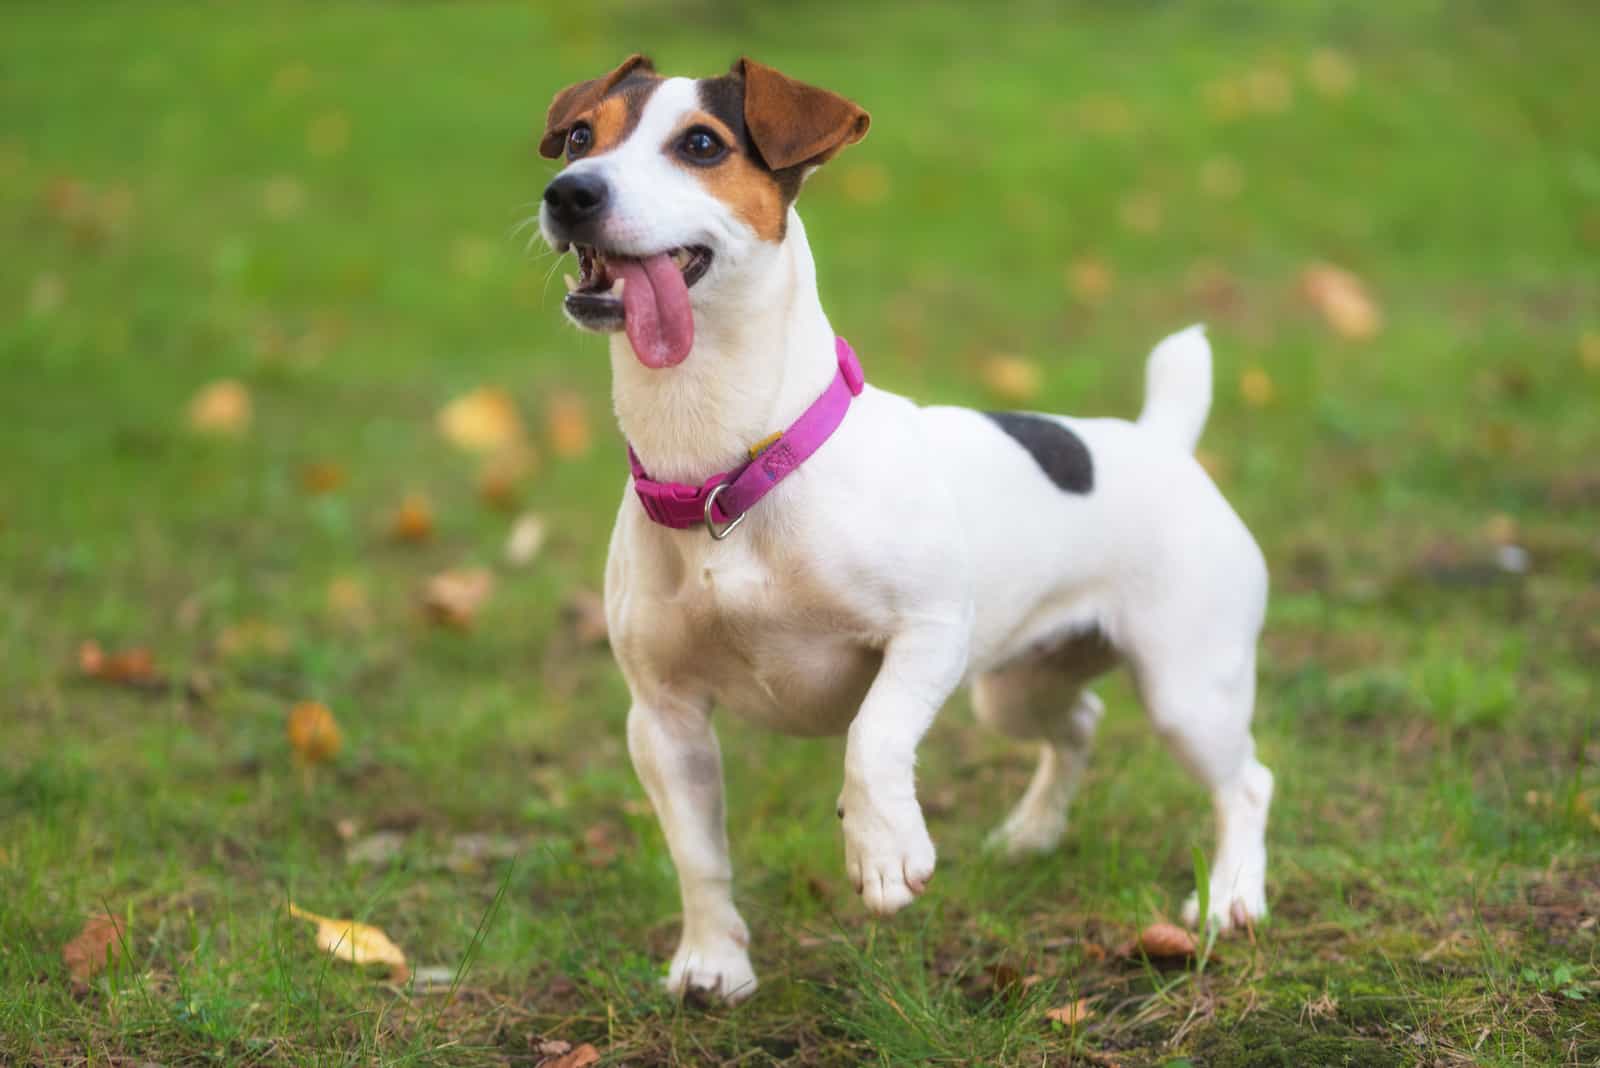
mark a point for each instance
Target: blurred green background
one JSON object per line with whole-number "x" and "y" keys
{"x": 318, "y": 205}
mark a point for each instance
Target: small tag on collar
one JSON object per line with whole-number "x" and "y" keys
{"x": 764, "y": 444}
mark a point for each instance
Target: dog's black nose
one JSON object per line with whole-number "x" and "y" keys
{"x": 576, "y": 198}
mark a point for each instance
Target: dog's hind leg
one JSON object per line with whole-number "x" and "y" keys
{"x": 1202, "y": 708}
{"x": 1037, "y": 701}
{"x": 675, "y": 752}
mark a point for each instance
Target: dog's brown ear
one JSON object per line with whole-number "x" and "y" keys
{"x": 574, "y": 100}
{"x": 794, "y": 124}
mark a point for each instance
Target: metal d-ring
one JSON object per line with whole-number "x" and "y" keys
{"x": 711, "y": 524}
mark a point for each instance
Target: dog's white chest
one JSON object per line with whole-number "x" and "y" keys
{"x": 760, "y": 637}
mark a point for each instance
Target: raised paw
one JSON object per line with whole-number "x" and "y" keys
{"x": 719, "y": 969}
{"x": 887, "y": 851}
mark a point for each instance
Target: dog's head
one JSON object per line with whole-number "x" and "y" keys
{"x": 676, "y": 190}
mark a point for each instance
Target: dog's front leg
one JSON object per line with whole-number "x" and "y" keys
{"x": 676, "y": 756}
{"x": 888, "y": 853}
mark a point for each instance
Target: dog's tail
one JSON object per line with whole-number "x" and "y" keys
{"x": 1177, "y": 387}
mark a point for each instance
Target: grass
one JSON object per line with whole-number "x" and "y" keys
{"x": 319, "y": 201}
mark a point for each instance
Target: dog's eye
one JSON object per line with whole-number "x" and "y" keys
{"x": 700, "y": 145}
{"x": 579, "y": 138}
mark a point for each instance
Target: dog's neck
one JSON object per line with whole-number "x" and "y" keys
{"x": 760, "y": 358}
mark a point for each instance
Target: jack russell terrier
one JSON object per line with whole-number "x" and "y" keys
{"x": 825, "y": 557}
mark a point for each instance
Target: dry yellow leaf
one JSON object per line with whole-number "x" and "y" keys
{"x": 1221, "y": 177}
{"x": 291, "y": 79}
{"x": 1256, "y": 387}
{"x": 525, "y": 540}
{"x": 221, "y": 408}
{"x": 485, "y": 420}
{"x": 454, "y": 597}
{"x": 1090, "y": 279}
{"x": 413, "y": 521}
{"x": 866, "y": 183}
{"x": 47, "y": 294}
{"x": 358, "y": 943}
{"x": 1589, "y": 350}
{"x": 313, "y": 732}
{"x": 283, "y": 197}
{"x": 253, "y": 637}
{"x": 348, "y": 603}
{"x": 1011, "y": 378}
{"x": 567, "y": 423}
{"x": 1330, "y": 72}
{"x": 1143, "y": 213}
{"x": 329, "y": 134}
{"x": 1270, "y": 90}
{"x": 1071, "y": 1014}
{"x": 94, "y": 946}
{"x": 1342, "y": 298}
{"x": 580, "y": 1057}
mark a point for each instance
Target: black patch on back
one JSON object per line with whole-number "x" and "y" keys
{"x": 724, "y": 98}
{"x": 1059, "y": 452}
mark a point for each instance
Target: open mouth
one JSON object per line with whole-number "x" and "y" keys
{"x": 648, "y": 296}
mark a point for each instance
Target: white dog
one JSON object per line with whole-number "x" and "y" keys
{"x": 848, "y": 573}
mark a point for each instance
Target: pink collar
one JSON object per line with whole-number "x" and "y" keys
{"x": 722, "y": 501}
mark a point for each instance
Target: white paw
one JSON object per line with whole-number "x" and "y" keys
{"x": 1026, "y": 833}
{"x": 1234, "y": 905}
{"x": 887, "y": 851}
{"x": 720, "y": 969}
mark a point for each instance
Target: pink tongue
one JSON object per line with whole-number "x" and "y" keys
{"x": 655, "y": 306}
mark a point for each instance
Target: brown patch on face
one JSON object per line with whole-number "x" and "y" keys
{"x": 749, "y": 189}
{"x": 632, "y": 83}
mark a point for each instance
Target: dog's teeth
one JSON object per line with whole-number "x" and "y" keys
{"x": 572, "y": 283}
{"x": 616, "y": 286}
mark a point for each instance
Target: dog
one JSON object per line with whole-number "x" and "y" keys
{"x": 823, "y": 557}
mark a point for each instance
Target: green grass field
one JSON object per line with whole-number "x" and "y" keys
{"x": 320, "y": 201}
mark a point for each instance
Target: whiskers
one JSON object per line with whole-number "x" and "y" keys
{"x": 530, "y": 224}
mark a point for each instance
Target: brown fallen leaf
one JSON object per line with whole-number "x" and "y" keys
{"x": 600, "y": 845}
{"x": 1162, "y": 941}
{"x": 413, "y": 521}
{"x": 1090, "y": 279}
{"x": 1011, "y": 378}
{"x": 567, "y": 423}
{"x": 131, "y": 667}
{"x": 1071, "y": 1014}
{"x": 484, "y": 421}
{"x": 579, "y": 1057}
{"x": 221, "y": 408}
{"x": 454, "y": 597}
{"x": 94, "y": 946}
{"x": 504, "y": 472}
{"x": 313, "y": 732}
{"x": 585, "y": 612}
{"x": 358, "y": 943}
{"x": 1343, "y": 301}
{"x": 321, "y": 477}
